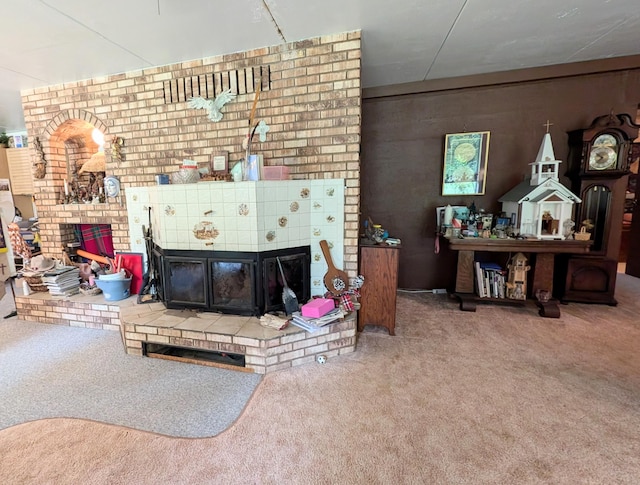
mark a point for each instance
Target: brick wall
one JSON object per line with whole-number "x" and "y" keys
{"x": 311, "y": 100}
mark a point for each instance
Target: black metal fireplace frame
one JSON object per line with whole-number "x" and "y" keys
{"x": 266, "y": 282}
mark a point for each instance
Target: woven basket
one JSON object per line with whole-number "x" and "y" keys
{"x": 583, "y": 235}
{"x": 39, "y": 288}
{"x": 33, "y": 280}
{"x": 35, "y": 283}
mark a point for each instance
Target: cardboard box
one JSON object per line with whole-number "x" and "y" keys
{"x": 317, "y": 308}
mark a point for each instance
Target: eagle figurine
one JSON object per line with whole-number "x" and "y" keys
{"x": 213, "y": 106}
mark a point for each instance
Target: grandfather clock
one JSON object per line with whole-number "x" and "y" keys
{"x": 599, "y": 158}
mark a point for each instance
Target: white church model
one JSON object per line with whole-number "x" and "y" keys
{"x": 541, "y": 206}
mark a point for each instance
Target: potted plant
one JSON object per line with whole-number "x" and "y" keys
{"x": 4, "y": 140}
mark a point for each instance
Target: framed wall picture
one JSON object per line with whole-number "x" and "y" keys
{"x": 465, "y": 163}
{"x": 219, "y": 162}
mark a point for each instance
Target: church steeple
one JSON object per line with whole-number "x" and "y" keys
{"x": 546, "y": 166}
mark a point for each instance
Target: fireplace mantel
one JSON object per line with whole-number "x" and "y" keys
{"x": 243, "y": 216}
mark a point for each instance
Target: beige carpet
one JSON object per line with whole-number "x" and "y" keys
{"x": 497, "y": 396}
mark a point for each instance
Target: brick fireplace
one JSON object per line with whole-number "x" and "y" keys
{"x": 311, "y": 102}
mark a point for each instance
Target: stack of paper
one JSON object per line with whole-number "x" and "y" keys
{"x": 313, "y": 324}
{"x": 62, "y": 281}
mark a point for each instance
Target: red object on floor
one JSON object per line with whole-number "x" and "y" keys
{"x": 134, "y": 264}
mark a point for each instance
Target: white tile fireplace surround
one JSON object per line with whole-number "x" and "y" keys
{"x": 220, "y": 216}
{"x": 243, "y": 216}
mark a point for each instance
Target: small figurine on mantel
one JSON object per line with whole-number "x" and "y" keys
{"x": 584, "y": 234}
{"x": 517, "y": 281}
{"x": 374, "y": 232}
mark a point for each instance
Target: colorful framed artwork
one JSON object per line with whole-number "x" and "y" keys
{"x": 465, "y": 163}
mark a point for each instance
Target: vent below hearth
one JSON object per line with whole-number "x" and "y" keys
{"x": 193, "y": 356}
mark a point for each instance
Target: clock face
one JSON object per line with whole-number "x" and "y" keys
{"x": 602, "y": 158}
{"x": 604, "y": 154}
{"x": 606, "y": 140}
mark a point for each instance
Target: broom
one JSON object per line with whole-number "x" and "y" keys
{"x": 289, "y": 298}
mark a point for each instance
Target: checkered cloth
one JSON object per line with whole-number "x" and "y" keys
{"x": 344, "y": 301}
{"x": 96, "y": 239}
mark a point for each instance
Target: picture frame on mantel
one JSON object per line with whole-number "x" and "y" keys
{"x": 464, "y": 171}
{"x": 219, "y": 162}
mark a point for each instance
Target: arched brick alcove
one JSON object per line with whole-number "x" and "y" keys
{"x": 67, "y": 145}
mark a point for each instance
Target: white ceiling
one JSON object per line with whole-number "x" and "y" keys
{"x": 45, "y": 42}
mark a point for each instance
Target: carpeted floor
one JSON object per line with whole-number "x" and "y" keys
{"x": 52, "y": 371}
{"x": 493, "y": 397}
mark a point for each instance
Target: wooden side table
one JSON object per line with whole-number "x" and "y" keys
{"x": 379, "y": 266}
{"x": 543, "y": 267}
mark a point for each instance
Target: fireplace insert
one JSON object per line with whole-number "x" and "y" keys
{"x": 235, "y": 282}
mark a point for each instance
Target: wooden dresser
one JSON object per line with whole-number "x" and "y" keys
{"x": 379, "y": 266}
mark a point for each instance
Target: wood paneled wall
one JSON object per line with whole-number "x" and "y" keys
{"x": 403, "y": 143}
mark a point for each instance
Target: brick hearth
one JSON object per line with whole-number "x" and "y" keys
{"x": 265, "y": 349}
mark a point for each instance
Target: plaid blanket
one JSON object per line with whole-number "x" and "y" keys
{"x": 96, "y": 239}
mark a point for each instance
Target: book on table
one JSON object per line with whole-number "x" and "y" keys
{"x": 489, "y": 280}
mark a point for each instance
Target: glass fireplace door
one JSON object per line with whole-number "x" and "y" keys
{"x": 233, "y": 285}
{"x": 185, "y": 282}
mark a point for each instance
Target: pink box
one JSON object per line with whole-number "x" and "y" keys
{"x": 275, "y": 172}
{"x": 317, "y": 307}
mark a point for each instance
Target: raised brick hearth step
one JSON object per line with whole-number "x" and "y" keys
{"x": 264, "y": 349}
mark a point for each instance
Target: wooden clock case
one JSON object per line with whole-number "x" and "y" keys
{"x": 591, "y": 278}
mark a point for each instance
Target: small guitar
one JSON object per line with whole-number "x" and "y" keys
{"x": 336, "y": 280}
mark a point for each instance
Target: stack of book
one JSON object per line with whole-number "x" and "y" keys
{"x": 62, "y": 281}
{"x": 313, "y": 324}
{"x": 490, "y": 280}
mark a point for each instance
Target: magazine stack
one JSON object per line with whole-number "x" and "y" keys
{"x": 311, "y": 324}
{"x": 62, "y": 281}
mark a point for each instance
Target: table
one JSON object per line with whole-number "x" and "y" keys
{"x": 543, "y": 267}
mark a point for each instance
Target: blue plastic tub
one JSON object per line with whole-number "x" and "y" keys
{"x": 115, "y": 290}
